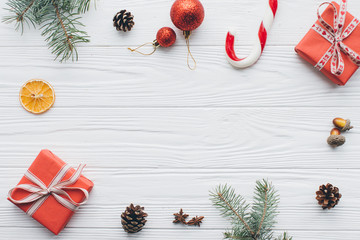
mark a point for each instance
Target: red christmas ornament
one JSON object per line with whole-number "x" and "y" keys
{"x": 187, "y": 15}
{"x": 165, "y": 37}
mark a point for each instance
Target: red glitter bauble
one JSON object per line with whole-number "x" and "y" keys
{"x": 187, "y": 15}
{"x": 166, "y": 36}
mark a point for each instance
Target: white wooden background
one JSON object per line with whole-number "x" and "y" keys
{"x": 154, "y": 133}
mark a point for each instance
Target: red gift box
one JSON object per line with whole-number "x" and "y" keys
{"x": 53, "y": 205}
{"x": 316, "y": 46}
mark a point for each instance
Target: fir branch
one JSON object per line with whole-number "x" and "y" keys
{"x": 41, "y": 10}
{"x": 62, "y": 25}
{"x": 264, "y": 210}
{"x": 236, "y": 213}
{"x": 82, "y": 5}
{"x": 21, "y": 15}
{"x": 62, "y": 31}
{"x": 232, "y": 206}
{"x": 59, "y": 20}
{"x": 284, "y": 237}
{"x": 254, "y": 224}
{"x": 237, "y": 233}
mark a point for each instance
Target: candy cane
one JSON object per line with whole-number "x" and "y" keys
{"x": 259, "y": 44}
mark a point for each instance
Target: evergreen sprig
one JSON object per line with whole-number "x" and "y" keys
{"x": 249, "y": 223}
{"x": 59, "y": 20}
{"x": 284, "y": 237}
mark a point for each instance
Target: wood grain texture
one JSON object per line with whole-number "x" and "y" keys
{"x": 154, "y": 133}
{"x": 188, "y": 189}
{"x": 110, "y": 233}
{"x": 112, "y": 77}
{"x": 180, "y": 138}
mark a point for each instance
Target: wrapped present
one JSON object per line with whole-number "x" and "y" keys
{"x": 51, "y": 191}
{"x": 332, "y": 45}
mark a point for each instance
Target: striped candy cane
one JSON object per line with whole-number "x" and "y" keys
{"x": 259, "y": 44}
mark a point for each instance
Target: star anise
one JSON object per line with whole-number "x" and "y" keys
{"x": 195, "y": 221}
{"x": 180, "y": 217}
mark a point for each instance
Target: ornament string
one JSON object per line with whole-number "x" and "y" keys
{"x": 189, "y": 54}
{"x": 154, "y": 44}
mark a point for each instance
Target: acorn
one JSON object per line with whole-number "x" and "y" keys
{"x": 335, "y": 139}
{"x": 342, "y": 124}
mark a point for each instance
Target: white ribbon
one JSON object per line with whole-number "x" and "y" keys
{"x": 40, "y": 192}
{"x": 336, "y": 36}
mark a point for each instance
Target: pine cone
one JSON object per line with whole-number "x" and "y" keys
{"x": 133, "y": 219}
{"x": 123, "y": 21}
{"x": 328, "y": 196}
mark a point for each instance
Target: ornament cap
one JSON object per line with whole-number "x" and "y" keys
{"x": 187, "y": 34}
{"x": 156, "y": 44}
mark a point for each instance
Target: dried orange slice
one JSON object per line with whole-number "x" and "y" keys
{"x": 37, "y": 96}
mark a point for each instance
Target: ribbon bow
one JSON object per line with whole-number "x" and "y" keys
{"x": 335, "y": 35}
{"x": 40, "y": 192}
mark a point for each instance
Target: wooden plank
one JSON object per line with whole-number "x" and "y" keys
{"x": 115, "y": 188}
{"x": 112, "y": 78}
{"x": 180, "y": 138}
{"x": 15, "y": 233}
{"x": 154, "y": 133}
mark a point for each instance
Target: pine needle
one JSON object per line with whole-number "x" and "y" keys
{"x": 59, "y": 19}
{"x": 284, "y": 237}
{"x": 248, "y": 224}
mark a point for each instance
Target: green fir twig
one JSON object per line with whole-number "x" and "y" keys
{"x": 284, "y": 237}
{"x": 59, "y": 20}
{"x": 248, "y": 224}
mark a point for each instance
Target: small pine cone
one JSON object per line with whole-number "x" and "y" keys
{"x": 123, "y": 21}
{"x": 328, "y": 196}
{"x": 133, "y": 219}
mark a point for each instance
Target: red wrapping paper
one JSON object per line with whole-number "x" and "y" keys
{"x": 51, "y": 213}
{"x": 313, "y": 46}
